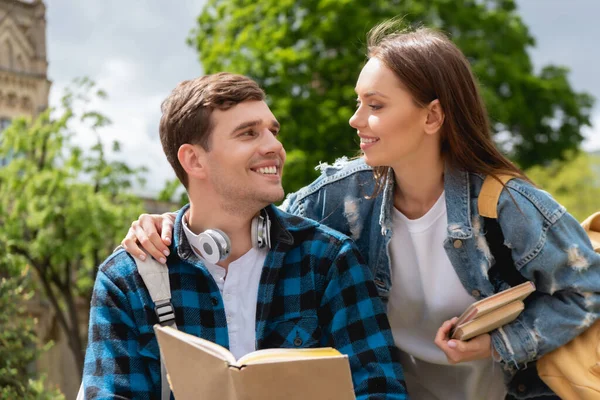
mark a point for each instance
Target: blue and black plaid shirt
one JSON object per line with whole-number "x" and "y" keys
{"x": 315, "y": 291}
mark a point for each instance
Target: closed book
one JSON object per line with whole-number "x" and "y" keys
{"x": 198, "y": 368}
{"x": 489, "y": 321}
{"x": 492, "y": 312}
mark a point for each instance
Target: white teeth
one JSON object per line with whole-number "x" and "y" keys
{"x": 367, "y": 140}
{"x": 267, "y": 170}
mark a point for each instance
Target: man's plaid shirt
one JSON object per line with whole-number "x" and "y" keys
{"x": 315, "y": 291}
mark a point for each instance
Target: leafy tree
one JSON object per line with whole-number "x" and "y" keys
{"x": 574, "y": 182}
{"x": 63, "y": 210}
{"x": 174, "y": 191}
{"x": 18, "y": 342}
{"x": 307, "y": 55}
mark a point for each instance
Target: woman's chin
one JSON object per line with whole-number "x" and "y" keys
{"x": 372, "y": 161}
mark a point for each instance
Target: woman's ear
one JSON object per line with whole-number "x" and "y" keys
{"x": 435, "y": 117}
{"x": 193, "y": 160}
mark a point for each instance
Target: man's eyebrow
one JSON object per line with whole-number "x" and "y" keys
{"x": 253, "y": 123}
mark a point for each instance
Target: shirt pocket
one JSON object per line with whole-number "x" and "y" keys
{"x": 298, "y": 332}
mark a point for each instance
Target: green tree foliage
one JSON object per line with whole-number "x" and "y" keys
{"x": 307, "y": 55}
{"x": 574, "y": 182}
{"x": 63, "y": 210}
{"x": 18, "y": 342}
{"x": 174, "y": 191}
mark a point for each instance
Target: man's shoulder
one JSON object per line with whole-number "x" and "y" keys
{"x": 118, "y": 265}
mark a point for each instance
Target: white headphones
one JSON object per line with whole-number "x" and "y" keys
{"x": 214, "y": 245}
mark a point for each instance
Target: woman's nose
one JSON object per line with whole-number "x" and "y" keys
{"x": 357, "y": 120}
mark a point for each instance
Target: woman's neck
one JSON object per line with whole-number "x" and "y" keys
{"x": 419, "y": 184}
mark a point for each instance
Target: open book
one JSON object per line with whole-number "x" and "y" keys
{"x": 200, "y": 369}
{"x": 492, "y": 312}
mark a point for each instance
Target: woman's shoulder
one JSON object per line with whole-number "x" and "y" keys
{"x": 344, "y": 166}
{"x": 522, "y": 198}
{"x": 344, "y": 174}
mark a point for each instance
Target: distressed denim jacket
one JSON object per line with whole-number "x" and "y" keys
{"x": 548, "y": 247}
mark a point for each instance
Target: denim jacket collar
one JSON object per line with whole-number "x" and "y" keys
{"x": 456, "y": 186}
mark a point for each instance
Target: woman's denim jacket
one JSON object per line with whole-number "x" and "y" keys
{"x": 548, "y": 247}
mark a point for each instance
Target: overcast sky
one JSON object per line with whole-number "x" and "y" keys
{"x": 136, "y": 51}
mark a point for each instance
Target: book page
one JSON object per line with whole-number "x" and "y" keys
{"x": 280, "y": 355}
{"x": 203, "y": 344}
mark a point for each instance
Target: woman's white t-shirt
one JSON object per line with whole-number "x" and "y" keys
{"x": 426, "y": 291}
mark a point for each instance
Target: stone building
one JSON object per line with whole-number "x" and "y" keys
{"x": 24, "y": 85}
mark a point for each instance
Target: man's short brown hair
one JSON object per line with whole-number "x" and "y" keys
{"x": 186, "y": 113}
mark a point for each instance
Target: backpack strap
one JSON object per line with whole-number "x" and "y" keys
{"x": 592, "y": 226}
{"x": 156, "y": 278}
{"x": 487, "y": 204}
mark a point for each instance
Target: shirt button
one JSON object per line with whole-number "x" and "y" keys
{"x": 457, "y": 244}
{"x": 298, "y": 342}
{"x": 521, "y": 388}
{"x": 475, "y": 293}
{"x": 214, "y": 301}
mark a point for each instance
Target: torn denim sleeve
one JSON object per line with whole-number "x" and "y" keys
{"x": 566, "y": 272}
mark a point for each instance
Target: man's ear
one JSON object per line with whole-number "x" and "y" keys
{"x": 435, "y": 117}
{"x": 193, "y": 160}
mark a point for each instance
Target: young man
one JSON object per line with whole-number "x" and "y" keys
{"x": 307, "y": 286}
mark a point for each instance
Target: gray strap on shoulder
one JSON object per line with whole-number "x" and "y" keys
{"x": 156, "y": 279}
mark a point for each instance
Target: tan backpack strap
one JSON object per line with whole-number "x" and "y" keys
{"x": 487, "y": 203}
{"x": 592, "y": 227}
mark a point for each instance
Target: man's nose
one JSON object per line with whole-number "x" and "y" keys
{"x": 271, "y": 144}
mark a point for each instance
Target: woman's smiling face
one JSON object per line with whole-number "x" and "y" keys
{"x": 388, "y": 121}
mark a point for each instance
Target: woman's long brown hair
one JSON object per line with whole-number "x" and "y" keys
{"x": 431, "y": 67}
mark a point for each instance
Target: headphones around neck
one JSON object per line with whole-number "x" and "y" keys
{"x": 214, "y": 245}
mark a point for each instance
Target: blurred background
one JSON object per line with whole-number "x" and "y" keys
{"x": 80, "y": 90}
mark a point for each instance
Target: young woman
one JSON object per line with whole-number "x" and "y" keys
{"x": 410, "y": 203}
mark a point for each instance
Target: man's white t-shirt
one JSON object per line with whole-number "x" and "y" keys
{"x": 426, "y": 292}
{"x": 239, "y": 289}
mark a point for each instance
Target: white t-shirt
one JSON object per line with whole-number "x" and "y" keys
{"x": 426, "y": 291}
{"x": 240, "y": 295}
